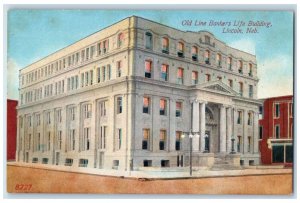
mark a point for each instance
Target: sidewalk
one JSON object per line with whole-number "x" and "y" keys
{"x": 169, "y": 173}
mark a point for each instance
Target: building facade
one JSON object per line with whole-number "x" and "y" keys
{"x": 122, "y": 98}
{"x": 11, "y": 129}
{"x": 276, "y": 130}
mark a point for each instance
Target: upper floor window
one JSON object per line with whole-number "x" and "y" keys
{"x": 250, "y": 91}
{"x": 162, "y": 139}
{"x": 249, "y": 118}
{"x": 178, "y": 140}
{"x": 165, "y": 45}
{"x": 229, "y": 63}
{"x": 250, "y": 70}
{"x": 87, "y": 110}
{"x": 207, "y": 57}
{"x": 240, "y": 66}
{"x": 207, "y": 39}
{"x": 241, "y": 89}
{"x": 48, "y": 118}
{"x": 230, "y": 83}
{"x": 146, "y": 138}
{"x": 86, "y": 138}
{"x": 194, "y": 77}
{"x": 58, "y": 116}
{"x": 146, "y": 103}
{"x": 261, "y": 112}
{"x": 195, "y": 53}
{"x": 119, "y": 139}
{"x": 120, "y": 39}
{"x": 163, "y": 107}
{"x": 277, "y": 131}
{"x": 119, "y": 105}
{"x": 239, "y": 119}
{"x": 178, "y": 109}
{"x": 180, "y": 76}
{"x": 207, "y": 77}
{"x": 260, "y": 132}
{"x": 105, "y": 46}
{"x": 99, "y": 48}
{"x": 164, "y": 72}
{"x": 180, "y": 49}
{"x": 103, "y": 105}
{"x": 148, "y": 67}
{"x": 72, "y": 113}
{"x": 219, "y": 60}
{"x": 149, "y": 40}
{"x": 277, "y": 111}
{"x": 119, "y": 69}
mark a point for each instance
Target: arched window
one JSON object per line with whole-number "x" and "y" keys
{"x": 180, "y": 49}
{"x": 229, "y": 63}
{"x": 165, "y": 45}
{"x": 240, "y": 66}
{"x": 207, "y": 56}
{"x": 194, "y": 53}
{"x": 219, "y": 59}
{"x": 149, "y": 40}
{"x": 120, "y": 39}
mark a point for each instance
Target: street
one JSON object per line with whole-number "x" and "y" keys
{"x": 34, "y": 180}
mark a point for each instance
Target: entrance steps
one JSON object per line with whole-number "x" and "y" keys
{"x": 223, "y": 162}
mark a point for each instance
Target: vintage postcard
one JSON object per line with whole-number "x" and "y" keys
{"x": 150, "y": 101}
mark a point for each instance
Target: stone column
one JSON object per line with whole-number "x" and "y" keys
{"x": 222, "y": 129}
{"x": 202, "y": 126}
{"x": 255, "y": 132}
{"x": 195, "y": 124}
{"x": 234, "y": 125}
{"x": 229, "y": 129}
{"x": 245, "y": 132}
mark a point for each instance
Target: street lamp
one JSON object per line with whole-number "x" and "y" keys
{"x": 191, "y": 135}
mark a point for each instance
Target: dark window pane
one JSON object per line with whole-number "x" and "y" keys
{"x": 277, "y": 154}
{"x": 289, "y": 154}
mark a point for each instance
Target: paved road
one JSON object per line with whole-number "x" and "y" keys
{"x": 34, "y": 180}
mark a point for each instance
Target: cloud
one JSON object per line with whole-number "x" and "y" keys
{"x": 12, "y": 79}
{"x": 276, "y": 76}
{"x": 246, "y": 45}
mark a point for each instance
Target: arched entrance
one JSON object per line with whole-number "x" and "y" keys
{"x": 211, "y": 128}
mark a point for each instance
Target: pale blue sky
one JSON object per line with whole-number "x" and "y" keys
{"x": 34, "y": 34}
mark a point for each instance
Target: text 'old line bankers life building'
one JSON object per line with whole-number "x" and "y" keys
{"x": 122, "y": 97}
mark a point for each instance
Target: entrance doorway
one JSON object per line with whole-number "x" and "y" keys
{"x": 207, "y": 141}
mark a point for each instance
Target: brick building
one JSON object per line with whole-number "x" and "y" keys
{"x": 276, "y": 130}
{"x": 11, "y": 129}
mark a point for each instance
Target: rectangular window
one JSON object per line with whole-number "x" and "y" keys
{"x": 103, "y": 108}
{"x": 82, "y": 79}
{"x": 49, "y": 141}
{"x": 119, "y": 141}
{"x": 249, "y": 143}
{"x": 91, "y": 77}
{"x": 277, "y": 110}
{"x": 99, "y": 48}
{"x": 162, "y": 139}
{"x": 59, "y": 140}
{"x": 148, "y": 67}
{"x": 102, "y": 138}
{"x": 230, "y": 83}
{"x": 148, "y": 40}
{"x": 239, "y": 143}
{"x": 146, "y": 136}
{"x": 165, "y": 45}
{"x": 83, "y": 162}
{"x": 178, "y": 109}
{"x": 87, "y": 110}
{"x": 241, "y": 89}
{"x": 108, "y": 72}
{"x": 178, "y": 140}
{"x": 194, "y": 77}
{"x": 69, "y": 162}
{"x": 250, "y": 91}
{"x": 119, "y": 69}
{"x": 48, "y": 117}
{"x": 72, "y": 113}
{"x": 277, "y": 131}
{"x": 207, "y": 77}
{"x": 146, "y": 103}
{"x": 261, "y": 112}
{"x": 39, "y": 142}
{"x": 164, "y": 72}
{"x": 119, "y": 105}
{"x": 105, "y": 46}
{"x": 239, "y": 119}
{"x": 86, "y": 78}
{"x": 72, "y": 139}
{"x": 58, "y": 116}
{"x": 260, "y": 132}
{"x": 86, "y": 138}
{"x": 180, "y": 76}
{"x": 249, "y": 118}
{"x": 98, "y": 75}
{"x": 163, "y": 107}
{"x": 103, "y": 73}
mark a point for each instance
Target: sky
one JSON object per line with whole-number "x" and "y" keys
{"x": 34, "y": 34}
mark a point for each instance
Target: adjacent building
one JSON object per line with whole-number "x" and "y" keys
{"x": 276, "y": 130}
{"x": 11, "y": 129}
{"x": 124, "y": 97}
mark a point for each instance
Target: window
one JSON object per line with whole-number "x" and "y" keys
{"x": 146, "y": 138}
{"x": 277, "y": 131}
{"x": 146, "y": 103}
{"x": 99, "y": 47}
{"x": 230, "y": 83}
{"x": 86, "y": 78}
{"x": 207, "y": 77}
{"x": 165, "y": 45}
{"x": 240, "y": 66}
{"x": 38, "y": 147}
{"x": 148, "y": 67}
{"x": 194, "y": 77}
{"x": 105, "y": 46}
{"x": 91, "y": 77}
{"x": 260, "y": 132}
{"x": 164, "y": 72}
{"x": 103, "y": 73}
{"x": 163, "y": 107}
{"x": 98, "y": 75}
{"x": 147, "y": 163}
{"x": 277, "y": 110}
{"x": 87, "y": 109}
{"x": 71, "y": 140}
{"x": 162, "y": 139}
{"x": 194, "y": 53}
{"x": 119, "y": 105}
{"x": 59, "y": 139}
{"x": 119, "y": 139}
{"x": 48, "y": 118}
{"x": 38, "y": 120}
{"x": 29, "y": 142}
{"x": 249, "y": 143}
{"x": 249, "y": 118}
{"x": 180, "y": 76}
{"x": 83, "y": 162}
{"x": 207, "y": 39}
{"x": 178, "y": 140}
{"x": 219, "y": 60}
{"x": 119, "y": 69}
{"x": 115, "y": 164}
{"x": 207, "y": 57}
{"x": 250, "y": 70}
{"x": 120, "y": 39}
{"x": 58, "y": 116}
{"x": 109, "y": 72}
{"x": 149, "y": 40}
{"x": 250, "y": 91}
{"x": 219, "y": 78}
{"x": 72, "y": 113}
{"x": 165, "y": 163}
{"x": 49, "y": 141}
{"x": 239, "y": 143}
{"x": 261, "y": 112}
{"x": 239, "y": 119}
{"x": 35, "y": 160}
{"x": 103, "y": 106}
{"x": 86, "y": 138}
{"x": 178, "y": 109}
{"x": 102, "y": 138}
{"x": 241, "y": 89}
{"x": 69, "y": 162}
{"x": 45, "y": 161}
{"x": 180, "y": 49}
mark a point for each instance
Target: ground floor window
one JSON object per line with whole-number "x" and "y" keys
{"x": 35, "y": 160}
{"x": 115, "y": 164}
{"x": 282, "y": 153}
{"x": 69, "y": 162}
{"x": 147, "y": 163}
{"x": 45, "y": 161}
{"x": 83, "y": 162}
{"x": 165, "y": 163}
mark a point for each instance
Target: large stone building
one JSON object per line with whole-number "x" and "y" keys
{"x": 123, "y": 97}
